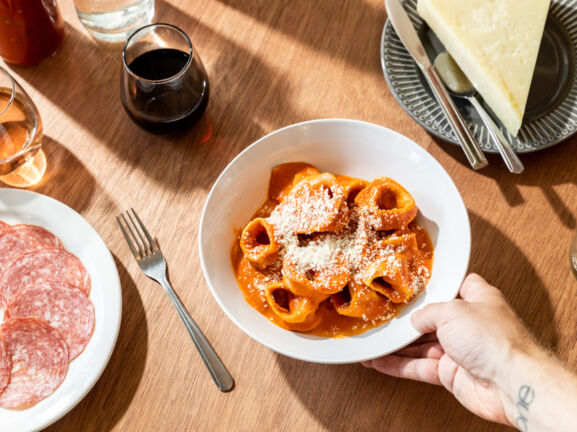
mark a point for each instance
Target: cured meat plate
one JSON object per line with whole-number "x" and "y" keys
{"x": 81, "y": 239}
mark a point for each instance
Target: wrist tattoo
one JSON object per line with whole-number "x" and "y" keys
{"x": 524, "y": 399}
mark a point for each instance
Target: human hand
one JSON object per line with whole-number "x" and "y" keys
{"x": 476, "y": 339}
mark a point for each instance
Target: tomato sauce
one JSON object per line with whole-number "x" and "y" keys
{"x": 30, "y": 30}
{"x": 252, "y": 278}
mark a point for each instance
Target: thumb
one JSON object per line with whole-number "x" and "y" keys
{"x": 475, "y": 289}
{"x": 433, "y": 316}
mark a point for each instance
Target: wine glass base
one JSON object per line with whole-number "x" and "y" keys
{"x": 28, "y": 174}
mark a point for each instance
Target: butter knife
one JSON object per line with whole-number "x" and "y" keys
{"x": 406, "y": 32}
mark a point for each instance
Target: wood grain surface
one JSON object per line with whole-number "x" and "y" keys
{"x": 272, "y": 63}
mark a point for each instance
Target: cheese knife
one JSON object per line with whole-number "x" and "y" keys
{"x": 406, "y": 32}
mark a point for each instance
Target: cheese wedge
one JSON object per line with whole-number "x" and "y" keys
{"x": 495, "y": 42}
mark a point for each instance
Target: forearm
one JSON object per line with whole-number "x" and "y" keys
{"x": 539, "y": 393}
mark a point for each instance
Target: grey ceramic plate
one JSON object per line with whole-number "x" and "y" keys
{"x": 551, "y": 114}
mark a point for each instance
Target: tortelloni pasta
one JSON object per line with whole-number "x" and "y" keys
{"x": 332, "y": 255}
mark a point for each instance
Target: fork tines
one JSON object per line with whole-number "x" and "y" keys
{"x": 141, "y": 243}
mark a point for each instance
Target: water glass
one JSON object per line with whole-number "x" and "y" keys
{"x": 114, "y": 20}
{"x": 22, "y": 162}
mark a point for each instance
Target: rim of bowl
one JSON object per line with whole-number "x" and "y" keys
{"x": 223, "y": 174}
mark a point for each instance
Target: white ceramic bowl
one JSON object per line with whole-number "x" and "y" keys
{"x": 352, "y": 148}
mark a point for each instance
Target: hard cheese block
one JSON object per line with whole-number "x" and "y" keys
{"x": 495, "y": 42}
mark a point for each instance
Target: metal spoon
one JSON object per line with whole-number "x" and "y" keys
{"x": 460, "y": 86}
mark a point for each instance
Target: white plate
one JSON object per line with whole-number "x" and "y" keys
{"x": 352, "y": 148}
{"x": 24, "y": 207}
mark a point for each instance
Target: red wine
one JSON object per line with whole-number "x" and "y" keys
{"x": 159, "y": 64}
{"x": 166, "y": 92}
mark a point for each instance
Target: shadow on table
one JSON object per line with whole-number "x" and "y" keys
{"x": 499, "y": 260}
{"x": 66, "y": 178}
{"x": 337, "y": 35}
{"x": 107, "y": 402}
{"x": 83, "y": 80}
{"x": 544, "y": 169}
{"x": 351, "y": 398}
{"x": 245, "y": 90}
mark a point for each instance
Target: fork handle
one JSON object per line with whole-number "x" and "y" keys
{"x": 216, "y": 367}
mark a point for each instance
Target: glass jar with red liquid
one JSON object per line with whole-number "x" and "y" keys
{"x": 30, "y": 30}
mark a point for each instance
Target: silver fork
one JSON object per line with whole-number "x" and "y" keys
{"x": 152, "y": 263}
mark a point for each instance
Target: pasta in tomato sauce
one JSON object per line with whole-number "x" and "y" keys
{"x": 332, "y": 255}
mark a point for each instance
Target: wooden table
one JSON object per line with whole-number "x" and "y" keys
{"x": 271, "y": 64}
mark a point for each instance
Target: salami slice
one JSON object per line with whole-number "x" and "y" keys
{"x": 19, "y": 239}
{"x": 39, "y": 361}
{"x": 40, "y": 266}
{"x": 62, "y": 306}
{"x": 5, "y": 366}
{"x": 3, "y": 226}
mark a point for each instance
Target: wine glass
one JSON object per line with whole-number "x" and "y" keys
{"x": 22, "y": 162}
{"x": 164, "y": 86}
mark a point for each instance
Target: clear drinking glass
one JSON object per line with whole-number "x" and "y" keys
{"x": 573, "y": 255}
{"x": 114, "y": 20}
{"x": 164, "y": 86}
{"x": 22, "y": 162}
